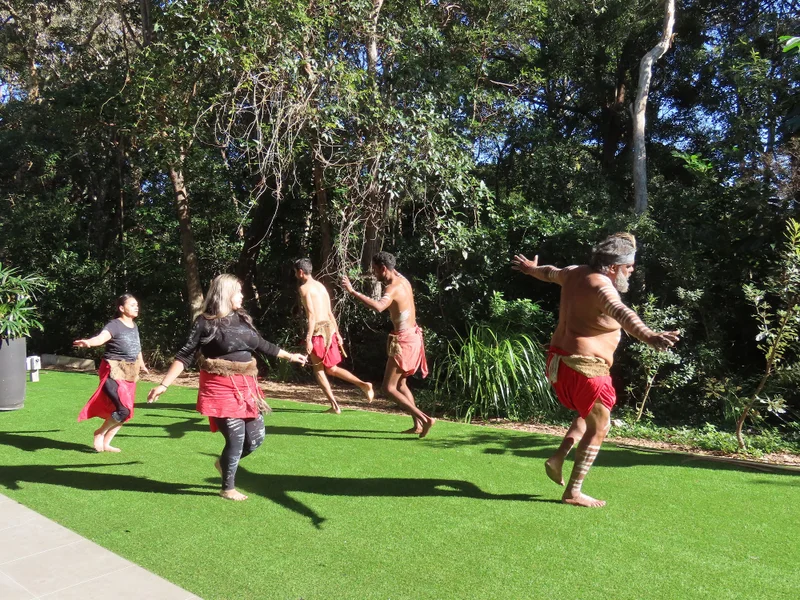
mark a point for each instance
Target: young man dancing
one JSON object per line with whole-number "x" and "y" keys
{"x": 405, "y": 345}
{"x": 323, "y": 342}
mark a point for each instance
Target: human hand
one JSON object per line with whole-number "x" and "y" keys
{"x": 301, "y": 359}
{"x": 523, "y": 265}
{"x": 664, "y": 340}
{"x": 348, "y": 287}
{"x": 309, "y": 347}
{"x": 81, "y": 344}
{"x": 156, "y": 392}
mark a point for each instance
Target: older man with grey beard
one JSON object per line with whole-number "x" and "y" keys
{"x": 591, "y": 315}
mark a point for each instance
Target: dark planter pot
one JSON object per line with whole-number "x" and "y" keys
{"x": 12, "y": 374}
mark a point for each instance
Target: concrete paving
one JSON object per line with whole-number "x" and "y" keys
{"x": 41, "y": 559}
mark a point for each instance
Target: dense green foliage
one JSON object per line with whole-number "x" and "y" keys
{"x": 345, "y": 507}
{"x": 146, "y": 146}
{"x": 18, "y": 318}
{"x": 484, "y": 376}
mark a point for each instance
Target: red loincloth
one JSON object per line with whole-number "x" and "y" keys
{"x": 579, "y": 392}
{"x": 329, "y": 356}
{"x": 408, "y": 350}
{"x": 99, "y": 405}
{"x": 228, "y": 396}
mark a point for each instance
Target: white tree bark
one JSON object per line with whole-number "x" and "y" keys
{"x": 640, "y": 105}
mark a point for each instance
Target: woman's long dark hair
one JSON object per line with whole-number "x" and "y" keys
{"x": 119, "y": 303}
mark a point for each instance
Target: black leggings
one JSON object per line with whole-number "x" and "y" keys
{"x": 242, "y": 437}
{"x": 111, "y": 389}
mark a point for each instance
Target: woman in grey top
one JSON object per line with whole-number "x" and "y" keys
{"x": 119, "y": 370}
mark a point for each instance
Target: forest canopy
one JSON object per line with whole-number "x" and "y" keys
{"x": 147, "y": 146}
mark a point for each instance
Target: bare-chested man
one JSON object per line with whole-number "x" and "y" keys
{"x": 582, "y": 349}
{"x": 323, "y": 342}
{"x": 405, "y": 348}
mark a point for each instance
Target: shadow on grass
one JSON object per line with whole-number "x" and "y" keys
{"x": 175, "y": 429}
{"x": 25, "y": 441}
{"x": 313, "y": 409}
{"x": 787, "y": 482}
{"x": 612, "y": 455}
{"x": 73, "y": 476}
{"x": 183, "y": 406}
{"x": 337, "y": 433}
{"x": 278, "y": 488}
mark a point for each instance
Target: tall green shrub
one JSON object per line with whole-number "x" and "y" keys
{"x": 777, "y": 308}
{"x": 488, "y": 376}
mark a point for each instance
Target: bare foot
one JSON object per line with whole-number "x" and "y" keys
{"x": 232, "y": 495}
{"x": 109, "y": 448}
{"x": 414, "y": 430}
{"x": 426, "y": 427}
{"x": 369, "y": 393}
{"x": 553, "y": 467}
{"x": 334, "y": 410}
{"x": 99, "y": 442}
{"x": 582, "y": 500}
{"x": 218, "y": 467}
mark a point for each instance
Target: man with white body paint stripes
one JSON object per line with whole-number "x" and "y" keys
{"x": 591, "y": 315}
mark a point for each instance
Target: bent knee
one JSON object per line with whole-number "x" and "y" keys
{"x": 254, "y": 444}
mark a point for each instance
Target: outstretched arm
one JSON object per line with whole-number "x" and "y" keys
{"x": 612, "y": 306}
{"x": 376, "y": 305}
{"x": 98, "y": 340}
{"x": 175, "y": 369}
{"x": 532, "y": 268}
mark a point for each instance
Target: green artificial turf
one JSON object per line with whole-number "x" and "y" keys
{"x": 345, "y": 507}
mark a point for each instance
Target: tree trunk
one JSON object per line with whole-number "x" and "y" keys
{"x": 640, "y": 105}
{"x": 190, "y": 262}
{"x": 376, "y": 207}
{"x": 326, "y": 259}
{"x": 372, "y": 41}
{"x": 147, "y": 22}
{"x": 372, "y": 243}
{"x": 613, "y": 125}
{"x": 647, "y": 389}
{"x": 256, "y": 234}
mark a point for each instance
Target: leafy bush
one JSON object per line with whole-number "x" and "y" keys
{"x": 489, "y": 376}
{"x": 708, "y": 437}
{"x": 17, "y": 315}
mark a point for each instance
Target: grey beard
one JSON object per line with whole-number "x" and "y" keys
{"x": 621, "y": 282}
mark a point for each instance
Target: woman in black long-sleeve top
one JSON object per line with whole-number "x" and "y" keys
{"x": 229, "y": 394}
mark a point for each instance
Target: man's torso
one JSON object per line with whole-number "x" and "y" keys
{"x": 583, "y": 328}
{"x": 317, "y": 300}
{"x": 402, "y": 310}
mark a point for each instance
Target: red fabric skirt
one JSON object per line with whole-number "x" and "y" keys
{"x": 578, "y": 392}
{"x": 408, "y": 350}
{"x": 99, "y": 405}
{"x": 329, "y": 356}
{"x": 228, "y": 396}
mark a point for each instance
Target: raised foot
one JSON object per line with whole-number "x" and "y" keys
{"x": 413, "y": 430}
{"x": 426, "y": 427}
{"x": 582, "y": 500}
{"x": 369, "y": 393}
{"x": 110, "y": 448}
{"x": 99, "y": 442}
{"x": 553, "y": 468}
{"x": 334, "y": 411}
{"x": 232, "y": 495}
